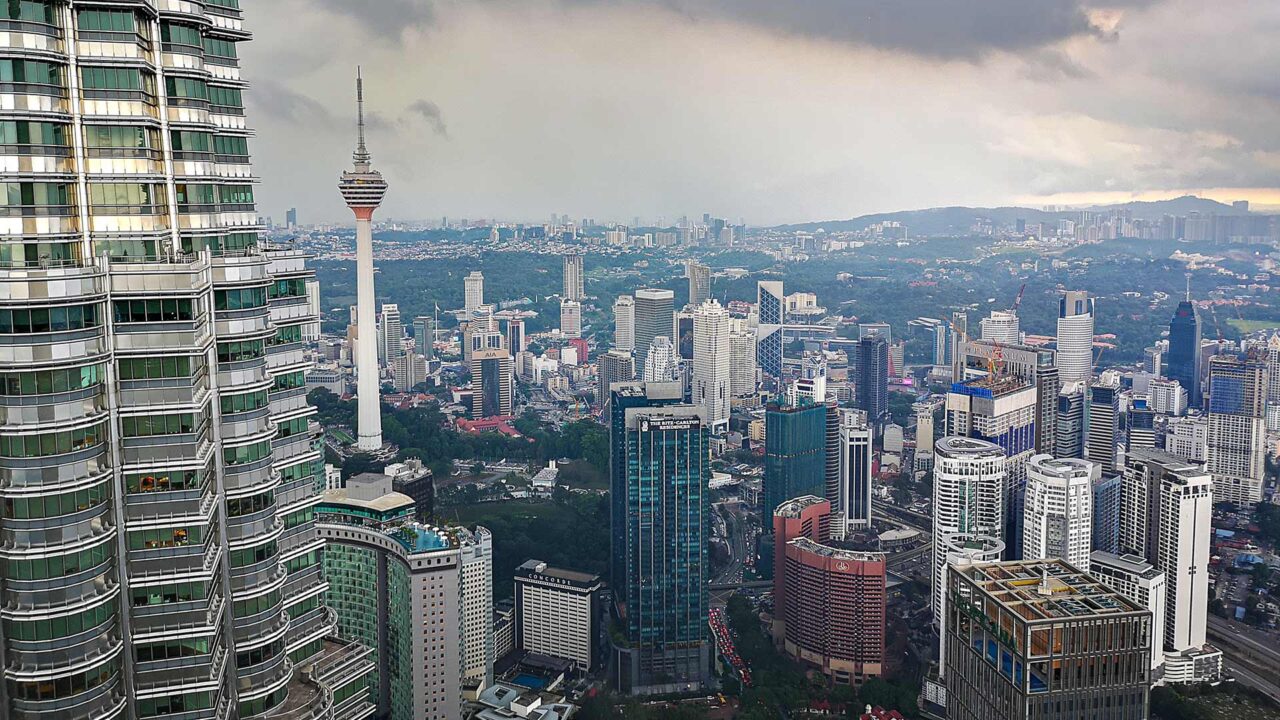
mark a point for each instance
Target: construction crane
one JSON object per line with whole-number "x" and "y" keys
{"x": 1018, "y": 302}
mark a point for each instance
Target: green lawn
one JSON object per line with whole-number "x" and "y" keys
{"x": 1248, "y": 326}
{"x": 342, "y": 436}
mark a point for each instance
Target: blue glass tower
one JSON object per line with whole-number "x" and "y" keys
{"x": 660, "y": 455}
{"x": 769, "y": 304}
{"x": 795, "y": 453}
{"x": 1185, "y": 333}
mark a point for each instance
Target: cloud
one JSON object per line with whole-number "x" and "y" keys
{"x": 430, "y": 112}
{"x": 278, "y": 102}
{"x": 383, "y": 17}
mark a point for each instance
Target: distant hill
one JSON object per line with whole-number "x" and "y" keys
{"x": 941, "y": 221}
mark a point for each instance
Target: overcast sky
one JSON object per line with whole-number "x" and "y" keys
{"x": 766, "y": 110}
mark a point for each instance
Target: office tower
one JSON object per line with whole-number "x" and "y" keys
{"x": 492, "y": 380}
{"x": 624, "y": 324}
{"x": 969, "y": 478}
{"x": 711, "y": 364}
{"x": 873, "y": 379}
{"x": 409, "y": 371}
{"x": 1103, "y": 423}
{"x": 1187, "y": 437}
{"x": 475, "y": 579}
{"x": 662, "y": 365}
{"x": 1184, "y": 350}
{"x": 854, "y": 471}
{"x": 409, "y": 591}
{"x": 806, "y": 516}
{"x": 1237, "y": 428}
{"x": 574, "y": 282}
{"x": 1140, "y": 426}
{"x": 1069, "y": 439}
{"x": 1075, "y": 337}
{"x": 998, "y": 616}
{"x": 1000, "y": 410}
{"x": 291, "y": 218}
{"x": 1058, "y": 520}
{"x": 1108, "y": 504}
{"x": 392, "y": 333}
{"x": 615, "y": 366}
{"x": 482, "y": 318}
{"x": 1002, "y": 327}
{"x": 654, "y": 316}
{"x": 1167, "y": 397}
{"x": 684, "y": 334}
{"x": 959, "y": 335}
{"x": 363, "y": 189}
{"x": 1272, "y": 354}
{"x": 835, "y": 610}
{"x": 570, "y": 319}
{"x": 770, "y": 307}
{"x": 1168, "y": 507}
{"x": 795, "y": 451}
{"x": 557, "y": 613}
{"x": 473, "y": 292}
{"x": 742, "y": 364}
{"x": 660, "y": 464}
{"x": 1144, "y": 585}
{"x": 156, "y": 433}
{"x": 424, "y": 336}
{"x": 699, "y": 282}
{"x": 931, "y": 338}
{"x": 516, "y": 342}
{"x": 879, "y": 329}
{"x": 925, "y": 437}
{"x": 1037, "y": 366}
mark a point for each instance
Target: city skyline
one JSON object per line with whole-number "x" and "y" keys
{"x": 1014, "y": 112}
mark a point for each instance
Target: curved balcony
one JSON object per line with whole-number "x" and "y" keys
{"x": 127, "y": 105}
{"x": 37, "y": 160}
{"x": 33, "y": 98}
{"x": 263, "y": 679}
{"x": 24, "y": 285}
{"x": 109, "y": 46}
{"x": 124, "y": 161}
{"x": 104, "y": 702}
{"x": 185, "y": 277}
{"x": 40, "y": 221}
{"x": 251, "y": 529}
{"x": 195, "y": 338}
{"x": 195, "y": 167}
{"x": 53, "y": 533}
{"x": 31, "y": 36}
{"x": 129, "y": 219}
{"x": 246, "y": 325}
{"x": 191, "y": 11}
{"x": 163, "y": 449}
{"x": 88, "y": 646}
{"x": 189, "y": 392}
{"x": 23, "y": 351}
{"x": 190, "y": 111}
{"x": 63, "y": 407}
{"x": 182, "y": 57}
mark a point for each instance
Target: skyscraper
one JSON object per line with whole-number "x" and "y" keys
{"x": 1166, "y": 519}
{"x": 1184, "y": 350}
{"x": 1069, "y": 438}
{"x": 1237, "y": 428}
{"x": 1059, "y": 510}
{"x": 770, "y": 309}
{"x": 660, "y": 464}
{"x": 873, "y": 380}
{"x": 1075, "y": 337}
{"x": 473, "y": 292}
{"x": 156, "y": 441}
{"x": 492, "y": 380}
{"x": 424, "y": 336}
{"x": 1035, "y": 365}
{"x": 807, "y": 516}
{"x": 1103, "y": 423}
{"x": 795, "y": 451}
{"x": 615, "y": 366}
{"x": 968, "y": 500}
{"x": 516, "y": 342}
{"x": 363, "y": 188}
{"x": 392, "y": 333}
{"x": 699, "y": 282}
{"x": 654, "y": 316}
{"x": 624, "y": 323}
{"x": 1002, "y": 327}
{"x": 663, "y": 364}
{"x": 711, "y": 364}
{"x": 855, "y": 472}
{"x": 574, "y": 283}
{"x": 570, "y": 318}
{"x": 742, "y": 364}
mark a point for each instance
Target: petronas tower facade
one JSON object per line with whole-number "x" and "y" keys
{"x": 158, "y": 460}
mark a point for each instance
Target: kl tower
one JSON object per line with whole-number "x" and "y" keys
{"x": 363, "y": 188}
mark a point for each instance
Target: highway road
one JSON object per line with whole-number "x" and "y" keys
{"x": 1250, "y": 655}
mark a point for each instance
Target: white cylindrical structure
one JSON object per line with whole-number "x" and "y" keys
{"x": 1058, "y": 511}
{"x": 1075, "y": 337}
{"x": 369, "y": 429}
{"x": 968, "y": 498}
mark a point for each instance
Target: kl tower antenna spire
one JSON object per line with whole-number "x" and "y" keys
{"x": 363, "y": 189}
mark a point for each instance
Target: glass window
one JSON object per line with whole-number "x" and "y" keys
{"x": 118, "y": 136}
{"x": 113, "y": 21}
{"x": 188, "y": 141}
{"x": 178, "y": 34}
{"x": 37, "y": 11}
{"x": 181, "y": 88}
{"x": 28, "y": 132}
{"x": 35, "y": 72}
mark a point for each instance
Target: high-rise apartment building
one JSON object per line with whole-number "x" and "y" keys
{"x": 615, "y": 366}
{"x": 711, "y": 364}
{"x": 969, "y": 477}
{"x": 1036, "y": 366}
{"x": 1075, "y": 337}
{"x": 1187, "y": 437}
{"x": 392, "y": 333}
{"x": 414, "y": 593}
{"x": 1167, "y": 397}
{"x": 1013, "y": 629}
{"x": 854, "y": 465}
{"x": 1168, "y": 508}
{"x": 795, "y": 453}
{"x": 699, "y": 276}
{"x": 660, "y": 464}
{"x": 654, "y": 314}
{"x": 742, "y": 364}
{"x": 570, "y": 319}
{"x": 1001, "y": 326}
{"x": 1140, "y": 425}
{"x": 157, "y": 457}
{"x": 1069, "y": 437}
{"x": 558, "y": 613}
{"x": 472, "y": 292}
{"x": 424, "y": 337}
{"x": 624, "y": 324}
{"x": 771, "y": 305}
{"x": 1103, "y": 423}
{"x": 492, "y": 382}
{"x": 1183, "y": 359}
{"x": 1058, "y": 510}
{"x": 574, "y": 280}
{"x": 806, "y": 516}
{"x": 872, "y": 390}
{"x": 1140, "y": 581}
{"x": 1237, "y": 428}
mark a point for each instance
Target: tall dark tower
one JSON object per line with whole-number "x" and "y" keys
{"x": 1184, "y": 350}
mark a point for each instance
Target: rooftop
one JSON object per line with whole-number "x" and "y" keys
{"x": 992, "y": 385}
{"x": 955, "y": 446}
{"x": 532, "y": 568}
{"x": 1041, "y": 590}
{"x": 1131, "y": 564}
{"x": 382, "y": 504}
{"x": 795, "y": 506}
{"x": 419, "y": 538}
{"x": 808, "y": 545}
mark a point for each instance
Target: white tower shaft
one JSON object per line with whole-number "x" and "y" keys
{"x": 367, "y": 385}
